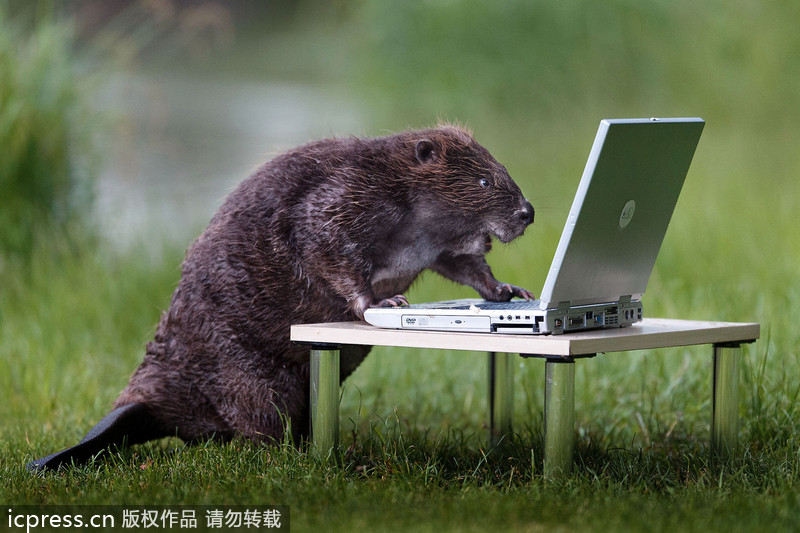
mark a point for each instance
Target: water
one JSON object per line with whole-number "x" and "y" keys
{"x": 180, "y": 145}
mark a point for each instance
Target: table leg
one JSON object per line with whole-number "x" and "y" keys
{"x": 501, "y": 395}
{"x": 324, "y": 400}
{"x": 725, "y": 401}
{"x": 559, "y": 417}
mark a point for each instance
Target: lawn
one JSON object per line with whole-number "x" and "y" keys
{"x": 76, "y": 312}
{"x": 414, "y": 449}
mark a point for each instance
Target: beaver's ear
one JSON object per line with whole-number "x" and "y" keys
{"x": 426, "y": 151}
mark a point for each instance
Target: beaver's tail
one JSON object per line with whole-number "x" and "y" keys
{"x": 126, "y": 425}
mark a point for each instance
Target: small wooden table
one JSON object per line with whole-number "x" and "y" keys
{"x": 559, "y": 352}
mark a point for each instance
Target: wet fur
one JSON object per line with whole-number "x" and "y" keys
{"x": 317, "y": 234}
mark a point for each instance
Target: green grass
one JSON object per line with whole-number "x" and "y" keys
{"x": 413, "y": 423}
{"x": 75, "y": 317}
{"x": 46, "y": 131}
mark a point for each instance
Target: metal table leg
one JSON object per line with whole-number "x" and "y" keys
{"x": 324, "y": 400}
{"x": 501, "y": 395}
{"x": 559, "y": 417}
{"x": 725, "y": 401}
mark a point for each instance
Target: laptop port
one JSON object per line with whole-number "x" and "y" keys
{"x": 576, "y": 321}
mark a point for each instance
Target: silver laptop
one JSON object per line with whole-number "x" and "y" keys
{"x": 616, "y": 225}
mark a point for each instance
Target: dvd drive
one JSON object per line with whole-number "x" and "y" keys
{"x": 457, "y": 322}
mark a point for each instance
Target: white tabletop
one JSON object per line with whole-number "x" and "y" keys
{"x": 650, "y": 333}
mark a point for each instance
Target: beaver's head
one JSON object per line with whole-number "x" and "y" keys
{"x": 465, "y": 190}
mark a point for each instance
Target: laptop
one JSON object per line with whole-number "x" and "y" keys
{"x": 610, "y": 242}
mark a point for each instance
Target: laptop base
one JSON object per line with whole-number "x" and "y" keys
{"x": 516, "y": 317}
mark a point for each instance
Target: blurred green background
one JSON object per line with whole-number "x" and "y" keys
{"x": 124, "y": 123}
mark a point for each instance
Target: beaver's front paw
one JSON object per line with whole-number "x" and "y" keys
{"x": 506, "y": 291}
{"x": 397, "y": 300}
{"x": 365, "y": 301}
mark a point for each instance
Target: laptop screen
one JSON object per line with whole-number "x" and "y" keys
{"x": 622, "y": 209}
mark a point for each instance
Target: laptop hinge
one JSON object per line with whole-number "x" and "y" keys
{"x": 563, "y": 307}
{"x": 626, "y": 299}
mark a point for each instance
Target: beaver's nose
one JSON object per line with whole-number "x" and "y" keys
{"x": 525, "y": 214}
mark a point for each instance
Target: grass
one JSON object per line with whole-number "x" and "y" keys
{"x": 413, "y": 423}
{"x": 46, "y": 129}
{"x": 75, "y": 317}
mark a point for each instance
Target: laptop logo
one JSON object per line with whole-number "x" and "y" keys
{"x": 627, "y": 214}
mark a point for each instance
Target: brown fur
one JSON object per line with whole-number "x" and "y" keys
{"x": 317, "y": 234}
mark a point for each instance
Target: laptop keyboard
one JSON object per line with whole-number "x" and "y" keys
{"x": 520, "y": 305}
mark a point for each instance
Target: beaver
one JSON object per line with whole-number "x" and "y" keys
{"x": 317, "y": 234}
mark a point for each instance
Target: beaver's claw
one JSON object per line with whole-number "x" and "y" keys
{"x": 397, "y": 300}
{"x": 506, "y": 291}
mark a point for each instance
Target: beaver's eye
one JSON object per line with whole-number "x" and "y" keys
{"x": 485, "y": 183}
